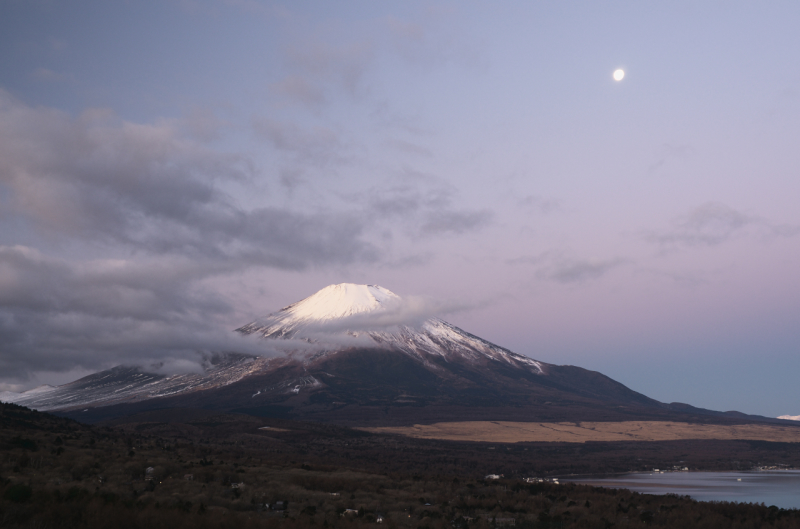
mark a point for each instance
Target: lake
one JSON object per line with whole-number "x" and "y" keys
{"x": 772, "y": 487}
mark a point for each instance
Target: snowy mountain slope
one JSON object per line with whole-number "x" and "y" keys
{"x": 30, "y": 395}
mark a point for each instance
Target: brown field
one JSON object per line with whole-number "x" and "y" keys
{"x": 515, "y": 432}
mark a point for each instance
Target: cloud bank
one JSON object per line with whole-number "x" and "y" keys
{"x": 97, "y": 178}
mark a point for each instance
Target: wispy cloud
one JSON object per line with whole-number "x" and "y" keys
{"x": 579, "y": 270}
{"x": 49, "y": 76}
{"x": 560, "y": 268}
{"x": 299, "y": 88}
{"x": 538, "y": 204}
{"x": 426, "y": 208}
{"x": 455, "y": 222}
{"x": 316, "y": 146}
{"x": 315, "y": 68}
{"x": 714, "y": 223}
{"x": 669, "y": 152}
{"x": 408, "y": 147}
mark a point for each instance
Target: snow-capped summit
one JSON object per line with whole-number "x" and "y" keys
{"x": 329, "y": 309}
{"x": 340, "y": 301}
{"x": 333, "y": 302}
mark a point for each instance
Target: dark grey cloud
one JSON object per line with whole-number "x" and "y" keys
{"x": 715, "y": 223}
{"x": 59, "y": 314}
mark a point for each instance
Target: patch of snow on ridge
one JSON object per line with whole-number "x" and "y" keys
{"x": 10, "y": 396}
{"x": 130, "y": 384}
{"x": 790, "y": 417}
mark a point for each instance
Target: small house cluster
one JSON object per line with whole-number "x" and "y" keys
{"x": 541, "y": 480}
{"x": 274, "y": 506}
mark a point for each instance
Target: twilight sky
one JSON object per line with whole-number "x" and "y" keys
{"x": 172, "y": 170}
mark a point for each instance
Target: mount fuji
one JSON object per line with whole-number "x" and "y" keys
{"x": 360, "y": 355}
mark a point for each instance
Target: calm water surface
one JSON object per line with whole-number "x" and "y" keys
{"x": 778, "y": 487}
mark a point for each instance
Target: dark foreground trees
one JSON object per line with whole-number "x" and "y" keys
{"x": 226, "y": 472}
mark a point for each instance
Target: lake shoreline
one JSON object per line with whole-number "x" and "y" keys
{"x": 771, "y": 487}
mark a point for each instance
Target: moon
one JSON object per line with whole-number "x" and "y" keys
{"x": 619, "y": 74}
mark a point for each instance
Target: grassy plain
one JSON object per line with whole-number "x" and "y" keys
{"x": 581, "y": 432}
